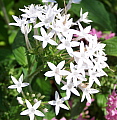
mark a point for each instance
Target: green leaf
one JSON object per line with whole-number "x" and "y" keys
{"x": 20, "y": 55}
{"x": 111, "y": 46}
{"x": 19, "y": 50}
{"x": 101, "y": 101}
{"x": 97, "y": 12}
{"x": 77, "y": 108}
{"x": 42, "y": 86}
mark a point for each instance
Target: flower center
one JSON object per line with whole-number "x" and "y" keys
{"x": 70, "y": 86}
{"x": 67, "y": 43}
{"x": 57, "y": 71}
{"x": 19, "y": 85}
{"x": 32, "y": 110}
{"x": 59, "y": 102}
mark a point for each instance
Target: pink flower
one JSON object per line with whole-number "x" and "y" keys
{"x": 95, "y": 32}
{"x": 108, "y": 36}
{"x": 112, "y": 105}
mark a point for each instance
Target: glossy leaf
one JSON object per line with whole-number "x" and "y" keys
{"x": 111, "y": 46}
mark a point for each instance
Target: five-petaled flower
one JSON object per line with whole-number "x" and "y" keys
{"x": 32, "y": 110}
{"x": 18, "y": 84}
{"x": 58, "y": 103}
{"x": 56, "y": 71}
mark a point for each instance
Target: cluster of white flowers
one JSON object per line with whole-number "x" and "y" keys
{"x": 88, "y": 58}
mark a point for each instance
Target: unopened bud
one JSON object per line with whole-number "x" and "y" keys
{"x": 20, "y": 101}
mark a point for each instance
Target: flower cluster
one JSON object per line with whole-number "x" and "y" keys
{"x": 85, "y": 52}
{"x": 112, "y": 106}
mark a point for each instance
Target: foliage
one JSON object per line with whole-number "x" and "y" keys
{"x": 16, "y": 59}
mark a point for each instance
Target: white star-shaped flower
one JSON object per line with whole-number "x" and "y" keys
{"x": 86, "y": 92}
{"x": 84, "y": 32}
{"x": 32, "y": 110}
{"x": 58, "y": 103}
{"x": 18, "y": 84}
{"x": 19, "y": 21}
{"x": 83, "y": 17}
{"x": 82, "y": 57}
{"x": 68, "y": 44}
{"x": 76, "y": 73}
{"x": 56, "y": 71}
{"x": 70, "y": 87}
{"x": 46, "y": 38}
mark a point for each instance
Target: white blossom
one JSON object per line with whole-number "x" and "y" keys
{"x": 18, "y": 83}
{"x": 83, "y": 17}
{"x": 56, "y": 71}
{"x": 58, "y": 103}
{"x": 76, "y": 73}
{"x": 70, "y": 87}
{"x": 32, "y": 110}
{"x": 68, "y": 44}
{"x": 46, "y": 38}
{"x": 86, "y": 92}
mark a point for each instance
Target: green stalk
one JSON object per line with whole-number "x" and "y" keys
{"x": 4, "y": 12}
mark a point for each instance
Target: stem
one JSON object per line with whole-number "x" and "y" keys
{"x": 23, "y": 94}
{"x": 4, "y": 12}
{"x": 35, "y": 31}
{"x": 28, "y": 45}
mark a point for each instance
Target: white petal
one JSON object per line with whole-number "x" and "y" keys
{"x": 61, "y": 64}
{"x": 39, "y": 113}
{"x": 85, "y": 15}
{"x": 24, "y": 84}
{"x": 51, "y": 66}
{"x": 74, "y": 44}
{"x": 64, "y": 72}
{"x": 44, "y": 44}
{"x": 37, "y": 104}
{"x": 87, "y": 29}
{"x": 57, "y": 79}
{"x": 15, "y": 24}
{"x": 21, "y": 78}
{"x": 64, "y": 106}
{"x": 43, "y": 32}
{"x": 91, "y": 91}
{"x": 40, "y": 24}
{"x": 31, "y": 116}
{"x": 56, "y": 95}
{"x": 83, "y": 97}
{"x": 12, "y": 86}
{"x": 57, "y": 108}
{"x": 51, "y": 34}
{"x": 73, "y": 90}
{"x": 19, "y": 89}
{"x": 52, "y": 42}
{"x": 15, "y": 18}
{"x": 40, "y": 38}
{"x": 69, "y": 50}
{"x": 52, "y": 102}
{"x": 88, "y": 97}
{"x": 61, "y": 46}
{"x": 80, "y": 12}
{"x": 28, "y": 104}
{"x": 64, "y": 87}
{"x": 49, "y": 74}
{"x": 68, "y": 92}
{"x": 25, "y": 112}
{"x": 14, "y": 79}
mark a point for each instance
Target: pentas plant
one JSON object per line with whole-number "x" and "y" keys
{"x": 85, "y": 55}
